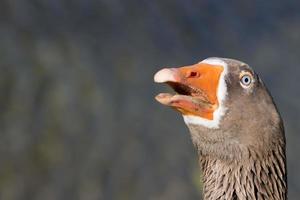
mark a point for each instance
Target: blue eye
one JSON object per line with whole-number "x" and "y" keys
{"x": 246, "y": 80}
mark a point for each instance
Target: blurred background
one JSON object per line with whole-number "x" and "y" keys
{"x": 78, "y": 119}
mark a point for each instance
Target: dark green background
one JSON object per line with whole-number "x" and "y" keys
{"x": 77, "y": 115}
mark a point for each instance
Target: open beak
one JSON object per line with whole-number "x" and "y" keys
{"x": 196, "y": 89}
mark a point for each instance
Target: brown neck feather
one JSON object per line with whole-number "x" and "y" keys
{"x": 255, "y": 177}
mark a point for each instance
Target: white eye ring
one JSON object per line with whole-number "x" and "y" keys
{"x": 246, "y": 80}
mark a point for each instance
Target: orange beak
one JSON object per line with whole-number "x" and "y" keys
{"x": 196, "y": 88}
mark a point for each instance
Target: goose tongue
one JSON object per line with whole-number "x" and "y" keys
{"x": 188, "y": 102}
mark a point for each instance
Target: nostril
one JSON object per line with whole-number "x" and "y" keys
{"x": 193, "y": 74}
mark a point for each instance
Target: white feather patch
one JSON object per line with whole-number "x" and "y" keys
{"x": 221, "y": 95}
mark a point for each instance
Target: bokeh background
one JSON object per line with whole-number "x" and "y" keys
{"x": 77, "y": 115}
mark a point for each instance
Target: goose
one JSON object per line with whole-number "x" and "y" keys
{"x": 234, "y": 125}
